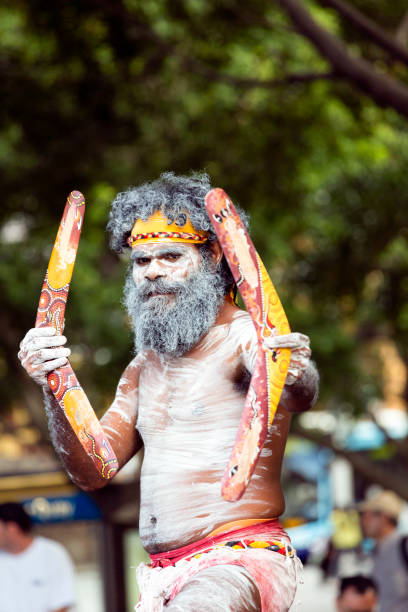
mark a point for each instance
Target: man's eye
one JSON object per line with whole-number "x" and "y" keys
{"x": 142, "y": 261}
{"x": 172, "y": 256}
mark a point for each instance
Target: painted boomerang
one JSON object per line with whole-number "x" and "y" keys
{"x": 265, "y": 308}
{"x": 51, "y": 309}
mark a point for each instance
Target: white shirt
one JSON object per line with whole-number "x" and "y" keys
{"x": 40, "y": 579}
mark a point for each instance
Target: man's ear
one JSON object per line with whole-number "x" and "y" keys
{"x": 216, "y": 253}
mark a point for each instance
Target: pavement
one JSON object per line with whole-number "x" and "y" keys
{"x": 315, "y": 593}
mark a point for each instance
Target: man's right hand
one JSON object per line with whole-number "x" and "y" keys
{"x": 41, "y": 352}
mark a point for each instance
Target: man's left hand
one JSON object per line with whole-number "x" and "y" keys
{"x": 299, "y": 344}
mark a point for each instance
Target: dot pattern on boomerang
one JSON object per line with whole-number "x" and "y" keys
{"x": 265, "y": 308}
{"x": 51, "y": 311}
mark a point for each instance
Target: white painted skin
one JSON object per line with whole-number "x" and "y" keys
{"x": 188, "y": 414}
{"x": 173, "y": 261}
{"x": 185, "y": 411}
{"x": 208, "y": 589}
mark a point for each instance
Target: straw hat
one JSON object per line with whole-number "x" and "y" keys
{"x": 386, "y": 502}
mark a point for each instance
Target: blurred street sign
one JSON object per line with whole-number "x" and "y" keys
{"x": 77, "y": 507}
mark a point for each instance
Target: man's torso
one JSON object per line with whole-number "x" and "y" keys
{"x": 189, "y": 410}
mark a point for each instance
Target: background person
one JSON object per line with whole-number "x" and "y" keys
{"x": 379, "y": 520}
{"x": 36, "y": 574}
{"x": 356, "y": 594}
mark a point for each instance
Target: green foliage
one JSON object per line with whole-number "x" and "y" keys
{"x": 99, "y": 95}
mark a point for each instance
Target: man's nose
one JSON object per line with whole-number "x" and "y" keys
{"x": 154, "y": 270}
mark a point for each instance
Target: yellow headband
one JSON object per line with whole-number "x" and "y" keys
{"x": 157, "y": 229}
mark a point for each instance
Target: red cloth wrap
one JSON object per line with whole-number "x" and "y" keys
{"x": 171, "y": 557}
{"x": 274, "y": 574}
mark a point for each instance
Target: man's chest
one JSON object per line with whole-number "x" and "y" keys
{"x": 189, "y": 393}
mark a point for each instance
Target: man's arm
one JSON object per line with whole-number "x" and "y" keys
{"x": 302, "y": 394}
{"x": 41, "y": 352}
{"x": 302, "y": 381}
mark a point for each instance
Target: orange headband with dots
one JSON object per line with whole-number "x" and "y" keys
{"x": 158, "y": 229}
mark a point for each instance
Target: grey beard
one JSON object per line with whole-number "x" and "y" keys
{"x": 173, "y": 326}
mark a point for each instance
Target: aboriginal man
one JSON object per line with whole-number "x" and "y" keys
{"x": 181, "y": 397}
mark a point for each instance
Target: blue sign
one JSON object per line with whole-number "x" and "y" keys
{"x": 78, "y": 507}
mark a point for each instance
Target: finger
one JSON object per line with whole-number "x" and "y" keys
{"x": 49, "y": 366}
{"x": 293, "y": 375}
{"x": 300, "y": 354}
{"x": 48, "y": 354}
{"x": 298, "y": 362}
{"x": 30, "y": 352}
{"x": 42, "y": 343}
{"x": 38, "y": 372}
{"x": 37, "y": 332}
{"x": 292, "y": 341}
{"x": 295, "y": 338}
{"x": 301, "y": 338}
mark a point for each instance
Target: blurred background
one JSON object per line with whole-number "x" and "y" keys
{"x": 298, "y": 109}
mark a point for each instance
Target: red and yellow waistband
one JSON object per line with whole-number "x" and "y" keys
{"x": 250, "y": 533}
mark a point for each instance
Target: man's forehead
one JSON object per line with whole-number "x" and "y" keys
{"x": 354, "y": 600}
{"x": 162, "y": 248}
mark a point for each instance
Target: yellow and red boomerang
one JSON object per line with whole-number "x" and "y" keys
{"x": 265, "y": 308}
{"x": 51, "y": 310}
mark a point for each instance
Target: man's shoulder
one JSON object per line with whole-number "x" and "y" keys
{"x": 50, "y": 547}
{"x": 241, "y": 324}
{"x": 131, "y": 372}
{"x": 238, "y": 317}
{"x": 234, "y": 325}
{"x": 242, "y": 338}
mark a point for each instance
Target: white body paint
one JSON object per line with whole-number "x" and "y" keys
{"x": 185, "y": 410}
{"x": 154, "y": 260}
{"x": 188, "y": 416}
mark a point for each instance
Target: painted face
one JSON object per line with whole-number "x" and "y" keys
{"x": 172, "y": 296}
{"x": 166, "y": 261}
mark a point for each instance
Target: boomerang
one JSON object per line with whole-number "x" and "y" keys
{"x": 264, "y": 306}
{"x": 51, "y": 312}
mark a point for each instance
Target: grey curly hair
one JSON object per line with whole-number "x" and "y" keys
{"x": 174, "y": 196}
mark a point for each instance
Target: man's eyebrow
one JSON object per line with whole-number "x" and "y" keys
{"x": 167, "y": 250}
{"x": 138, "y": 253}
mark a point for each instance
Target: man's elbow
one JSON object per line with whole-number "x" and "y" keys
{"x": 92, "y": 486}
{"x": 303, "y": 394}
{"x": 89, "y": 482}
